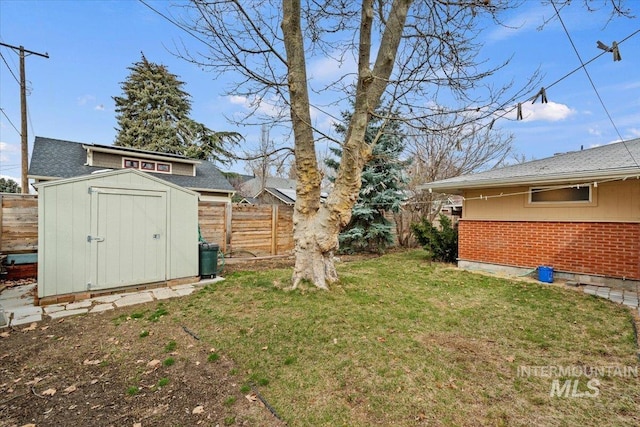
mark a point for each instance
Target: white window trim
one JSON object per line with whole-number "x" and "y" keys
{"x": 567, "y": 203}
{"x": 140, "y": 168}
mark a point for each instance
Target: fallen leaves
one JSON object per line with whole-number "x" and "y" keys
{"x": 70, "y": 389}
{"x": 31, "y": 327}
{"x": 4, "y": 334}
{"x": 49, "y": 392}
{"x": 91, "y": 362}
{"x": 34, "y": 381}
{"x": 153, "y": 364}
{"x": 198, "y": 410}
{"x": 251, "y": 397}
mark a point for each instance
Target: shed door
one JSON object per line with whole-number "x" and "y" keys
{"x": 128, "y": 240}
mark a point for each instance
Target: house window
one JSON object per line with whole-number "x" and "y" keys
{"x": 163, "y": 167}
{"x": 128, "y": 163}
{"x": 148, "y": 166}
{"x": 577, "y": 194}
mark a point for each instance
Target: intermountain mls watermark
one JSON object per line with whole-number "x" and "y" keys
{"x": 583, "y": 380}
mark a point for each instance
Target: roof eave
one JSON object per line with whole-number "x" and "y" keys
{"x": 457, "y": 187}
{"x": 139, "y": 154}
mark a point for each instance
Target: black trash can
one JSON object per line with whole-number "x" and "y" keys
{"x": 208, "y": 260}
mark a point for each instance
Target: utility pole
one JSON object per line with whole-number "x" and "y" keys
{"x": 23, "y": 113}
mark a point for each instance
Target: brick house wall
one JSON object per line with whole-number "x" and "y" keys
{"x": 600, "y": 248}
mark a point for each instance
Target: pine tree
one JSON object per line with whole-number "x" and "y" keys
{"x": 383, "y": 181}
{"x": 153, "y": 115}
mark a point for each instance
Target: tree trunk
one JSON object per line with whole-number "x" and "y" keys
{"x": 316, "y": 240}
{"x": 316, "y": 225}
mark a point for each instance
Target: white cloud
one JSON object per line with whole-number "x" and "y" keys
{"x": 85, "y": 99}
{"x": 237, "y": 100}
{"x": 99, "y": 107}
{"x": 594, "y": 131}
{"x": 328, "y": 69}
{"x": 635, "y": 132}
{"x": 517, "y": 25}
{"x": 550, "y": 112}
{"x": 16, "y": 179}
{"x": 260, "y": 105}
{"x": 6, "y": 151}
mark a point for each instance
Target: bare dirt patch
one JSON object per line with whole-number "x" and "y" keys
{"x": 125, "y": 368}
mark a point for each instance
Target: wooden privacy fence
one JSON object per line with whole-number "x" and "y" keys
{"x": 18, "y": 223}
{"x": 240, "y": 230}
{"x": 243, "y": 230}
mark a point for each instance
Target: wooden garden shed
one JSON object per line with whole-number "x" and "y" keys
{"x": 112, "y": 230}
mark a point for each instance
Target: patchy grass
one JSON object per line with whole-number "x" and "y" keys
{"x": 171, "y": 346}
{"x": 402, "y": 341}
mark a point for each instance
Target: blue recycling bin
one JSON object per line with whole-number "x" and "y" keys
{"x": 545, "y": 274}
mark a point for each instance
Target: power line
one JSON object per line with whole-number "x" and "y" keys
{"x": 182, "y": 27}
{"x": 593, "y": 84}
{"x": 5, "y": 114}
{"x": 10, "y": 70}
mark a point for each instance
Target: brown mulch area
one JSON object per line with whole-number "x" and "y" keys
{"x": 101, "y": 370}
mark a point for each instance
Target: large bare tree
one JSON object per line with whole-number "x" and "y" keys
{"x": 412, "y": 54}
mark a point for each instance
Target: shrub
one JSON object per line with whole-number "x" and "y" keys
{"x": 441, "y": 243}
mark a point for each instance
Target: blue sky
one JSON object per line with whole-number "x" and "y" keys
{"x": 91, "y": 44}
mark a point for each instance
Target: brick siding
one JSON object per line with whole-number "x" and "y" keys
{"x": 600, "y": 248}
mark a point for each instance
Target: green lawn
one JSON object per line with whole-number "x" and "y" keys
{"x": 401, "y": 341}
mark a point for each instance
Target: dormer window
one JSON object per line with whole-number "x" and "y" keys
{"x": 163, "y": 167}
{"x": 146, "y": 165}
{"x": 128, "y": 163}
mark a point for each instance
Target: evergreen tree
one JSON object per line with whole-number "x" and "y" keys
{"x": 383, "y": 181}
{"x": 9, "y": 186}
{"x": 153, "y": 115}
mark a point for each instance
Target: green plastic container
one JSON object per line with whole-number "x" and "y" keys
{"x": 208, "y": 260}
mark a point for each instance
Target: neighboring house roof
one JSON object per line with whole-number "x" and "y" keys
{"x": 611, "y": 161}
{"x": 56, "y": 158}
{"x": 249, "y": 201}
{"x": 287, "y": 196}
{"x": 253, "y": 187}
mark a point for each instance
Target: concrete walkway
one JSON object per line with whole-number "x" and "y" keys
{"x": 16, "y": 304}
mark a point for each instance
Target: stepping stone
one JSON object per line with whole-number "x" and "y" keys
{"x": 101, "y": 307}
{"x": 80, "y": 304}
{"x": 65, "y": 313}
{"x": 26, "y": 320}
{"x": 54, "y": 307}
{"x": 185, "y": 291}
{"x": 616, "y": 298}
{"x": 164, "y": 293}
{"x": 591, "y": 290}
{"x": 615, "y": 292}
{"x": 27, "y": 311}
{"x": 133, "y": 299}
{"x": 108, "y": 298}
{"x": 630, "y": 303}
{"x": 603, "y": 292}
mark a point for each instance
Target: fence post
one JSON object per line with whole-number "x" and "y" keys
{"x": 274, "y": 229}
{"x": 227, "y": 231}
{"x": 1, "y": 219}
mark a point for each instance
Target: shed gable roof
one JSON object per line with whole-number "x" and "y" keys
{"x": 615, "y": 160}
{"x": 58, "y": 159}
{"x": 112, "y": 173}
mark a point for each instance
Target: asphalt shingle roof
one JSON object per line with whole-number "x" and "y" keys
{"x": 615, "y": 159}
{"x": 56, "y": 158}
